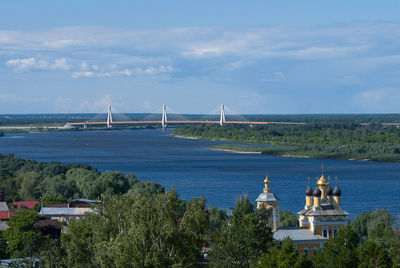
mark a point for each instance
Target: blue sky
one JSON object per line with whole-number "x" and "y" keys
{"x": 253, "y": 56}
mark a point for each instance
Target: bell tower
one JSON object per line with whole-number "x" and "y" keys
{"x": 268, "y": 200}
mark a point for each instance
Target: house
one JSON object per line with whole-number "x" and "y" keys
{"x": 49, "y": 227}
{"x": 4, "y": 211}
{"x": 76, "y": 209}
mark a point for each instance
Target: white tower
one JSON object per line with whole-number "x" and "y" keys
{"x": 222, "y": 117}
{"x": 164, "y": 117}
{"x": 109, "y": 117}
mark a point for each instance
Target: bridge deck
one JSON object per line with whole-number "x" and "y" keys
{"x": 184, "y": 122}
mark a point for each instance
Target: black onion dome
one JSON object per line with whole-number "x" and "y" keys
{"x": 329, "y": 191}
{"x": 317, "y": 192}
{"x": 309, "y": 191}
{"x": 336, "y": 191}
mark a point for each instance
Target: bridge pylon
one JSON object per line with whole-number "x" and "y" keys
{"x": 222, "y": 116}
{"x": 164, "y": 117}
{"x": 109, "y": 117}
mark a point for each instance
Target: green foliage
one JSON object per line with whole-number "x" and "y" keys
{"x": 284, "y": 255}
{"x": 79, "y": 244}
{"x": 371, "y": 254}
{"x": 339, "y": 140}
{"x": 143, "y": 231}
{"x": 217, "y": 220}
{"x": 3, "y": 247}
{"x": 23, "y": 239}
{"x": 287, "y": 219}
{"x": 53, "y": 256}
{"x": 341, "y": 251}
{"x": 29, "y": 185}
{"x": 145, "y": 188}
{"x": 372, "y": 224}
{"x": 243, "y": 238}
{"x": 56, "y": 183}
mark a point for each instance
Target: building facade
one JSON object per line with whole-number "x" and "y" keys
{"x": 320, "y": 219}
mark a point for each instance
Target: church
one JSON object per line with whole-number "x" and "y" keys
{"x": 320, "y": 219}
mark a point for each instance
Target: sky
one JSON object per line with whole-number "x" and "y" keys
{"x": 255, "y": 57}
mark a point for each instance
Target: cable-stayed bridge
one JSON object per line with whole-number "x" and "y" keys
{"x": 165, "y": 119}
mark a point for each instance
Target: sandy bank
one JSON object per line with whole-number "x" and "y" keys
{"x": 184, "y": 137}
{"x": 234, "y": 151}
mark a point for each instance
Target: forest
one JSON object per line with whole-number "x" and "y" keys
{"x": 139, "y": 224}
{"x": 337, "y": 140}
{"x": 23, "y": 179}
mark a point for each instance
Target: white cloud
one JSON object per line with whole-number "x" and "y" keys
{"x": 63, "y": 104}
{"x": 279, "y": 76}
{"x": 383, "y": 99}
{"x": 146, "y": 105}
{"x": 124, "y": 72}
{"x": 59, "y": 44}
{"x": 26, "y": 64}
{"x": 276, "y": 76}
{"x": 155, "y": 70}
{"x": 83, "y": 74}
{"x": 61, "y": 64}
{"x": 7, "y": 97}
{"x": 103, "y": 103}
{"x": 84, "y": 66}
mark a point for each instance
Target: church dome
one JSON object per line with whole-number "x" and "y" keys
{"x": 309, "y": 191}
{"x": 336, "y": 191}
{"x": 317, "y": 192}
{"x": 329, "y": 191}
{"x": 322, "y": 182}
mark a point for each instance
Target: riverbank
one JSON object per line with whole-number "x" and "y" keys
{"x": 378, "y": 151}
{"x": 234, "y": 151}
{"x": 184, "y": 137}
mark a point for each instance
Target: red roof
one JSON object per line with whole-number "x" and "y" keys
{"x": 28, "y": 204}
{"x": 4, "y": 215}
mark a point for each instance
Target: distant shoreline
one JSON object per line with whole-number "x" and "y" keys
{"x": 184, "y": 137}
{"x": 233, "y": 151}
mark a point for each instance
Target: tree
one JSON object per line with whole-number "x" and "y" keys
{"x": 287, "y": 219}
{"x": 341, "y": 251}
{"x": 145, "y": 188}
{"x": 113, "y": 183}
{"x": 28, "y": 190}
{"x": 143, "y": 231}
{"x": 371, "y": 254}
{"x": 85, "y": 181}
{"x": 375, "y": 225}
{"x": 23, "y": 239}
{"x": 79, "y": 244}
{"x": 217, "y": 220}
{"x": 243, "y": 238}
{"x": 284, "y": 255}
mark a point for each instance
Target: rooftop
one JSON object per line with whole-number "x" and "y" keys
{"x": 297, "y": 234}
{"x": 46, "y": 211}
{"x": 326, "y": 210}
{"x": 4, "y": 215}
{"x": 3, "y": 206}
{"x": 266, "y": 197}
{"x": 28, "y": 204}
{"x": 48, "y": 224}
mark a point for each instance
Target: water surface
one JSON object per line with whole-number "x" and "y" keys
{"x": 194, "y": 170}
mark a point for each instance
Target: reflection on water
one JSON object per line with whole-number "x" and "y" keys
{"x": 194, "y": 170}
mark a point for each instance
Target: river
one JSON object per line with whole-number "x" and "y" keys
{"x": 221, "y": 177}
